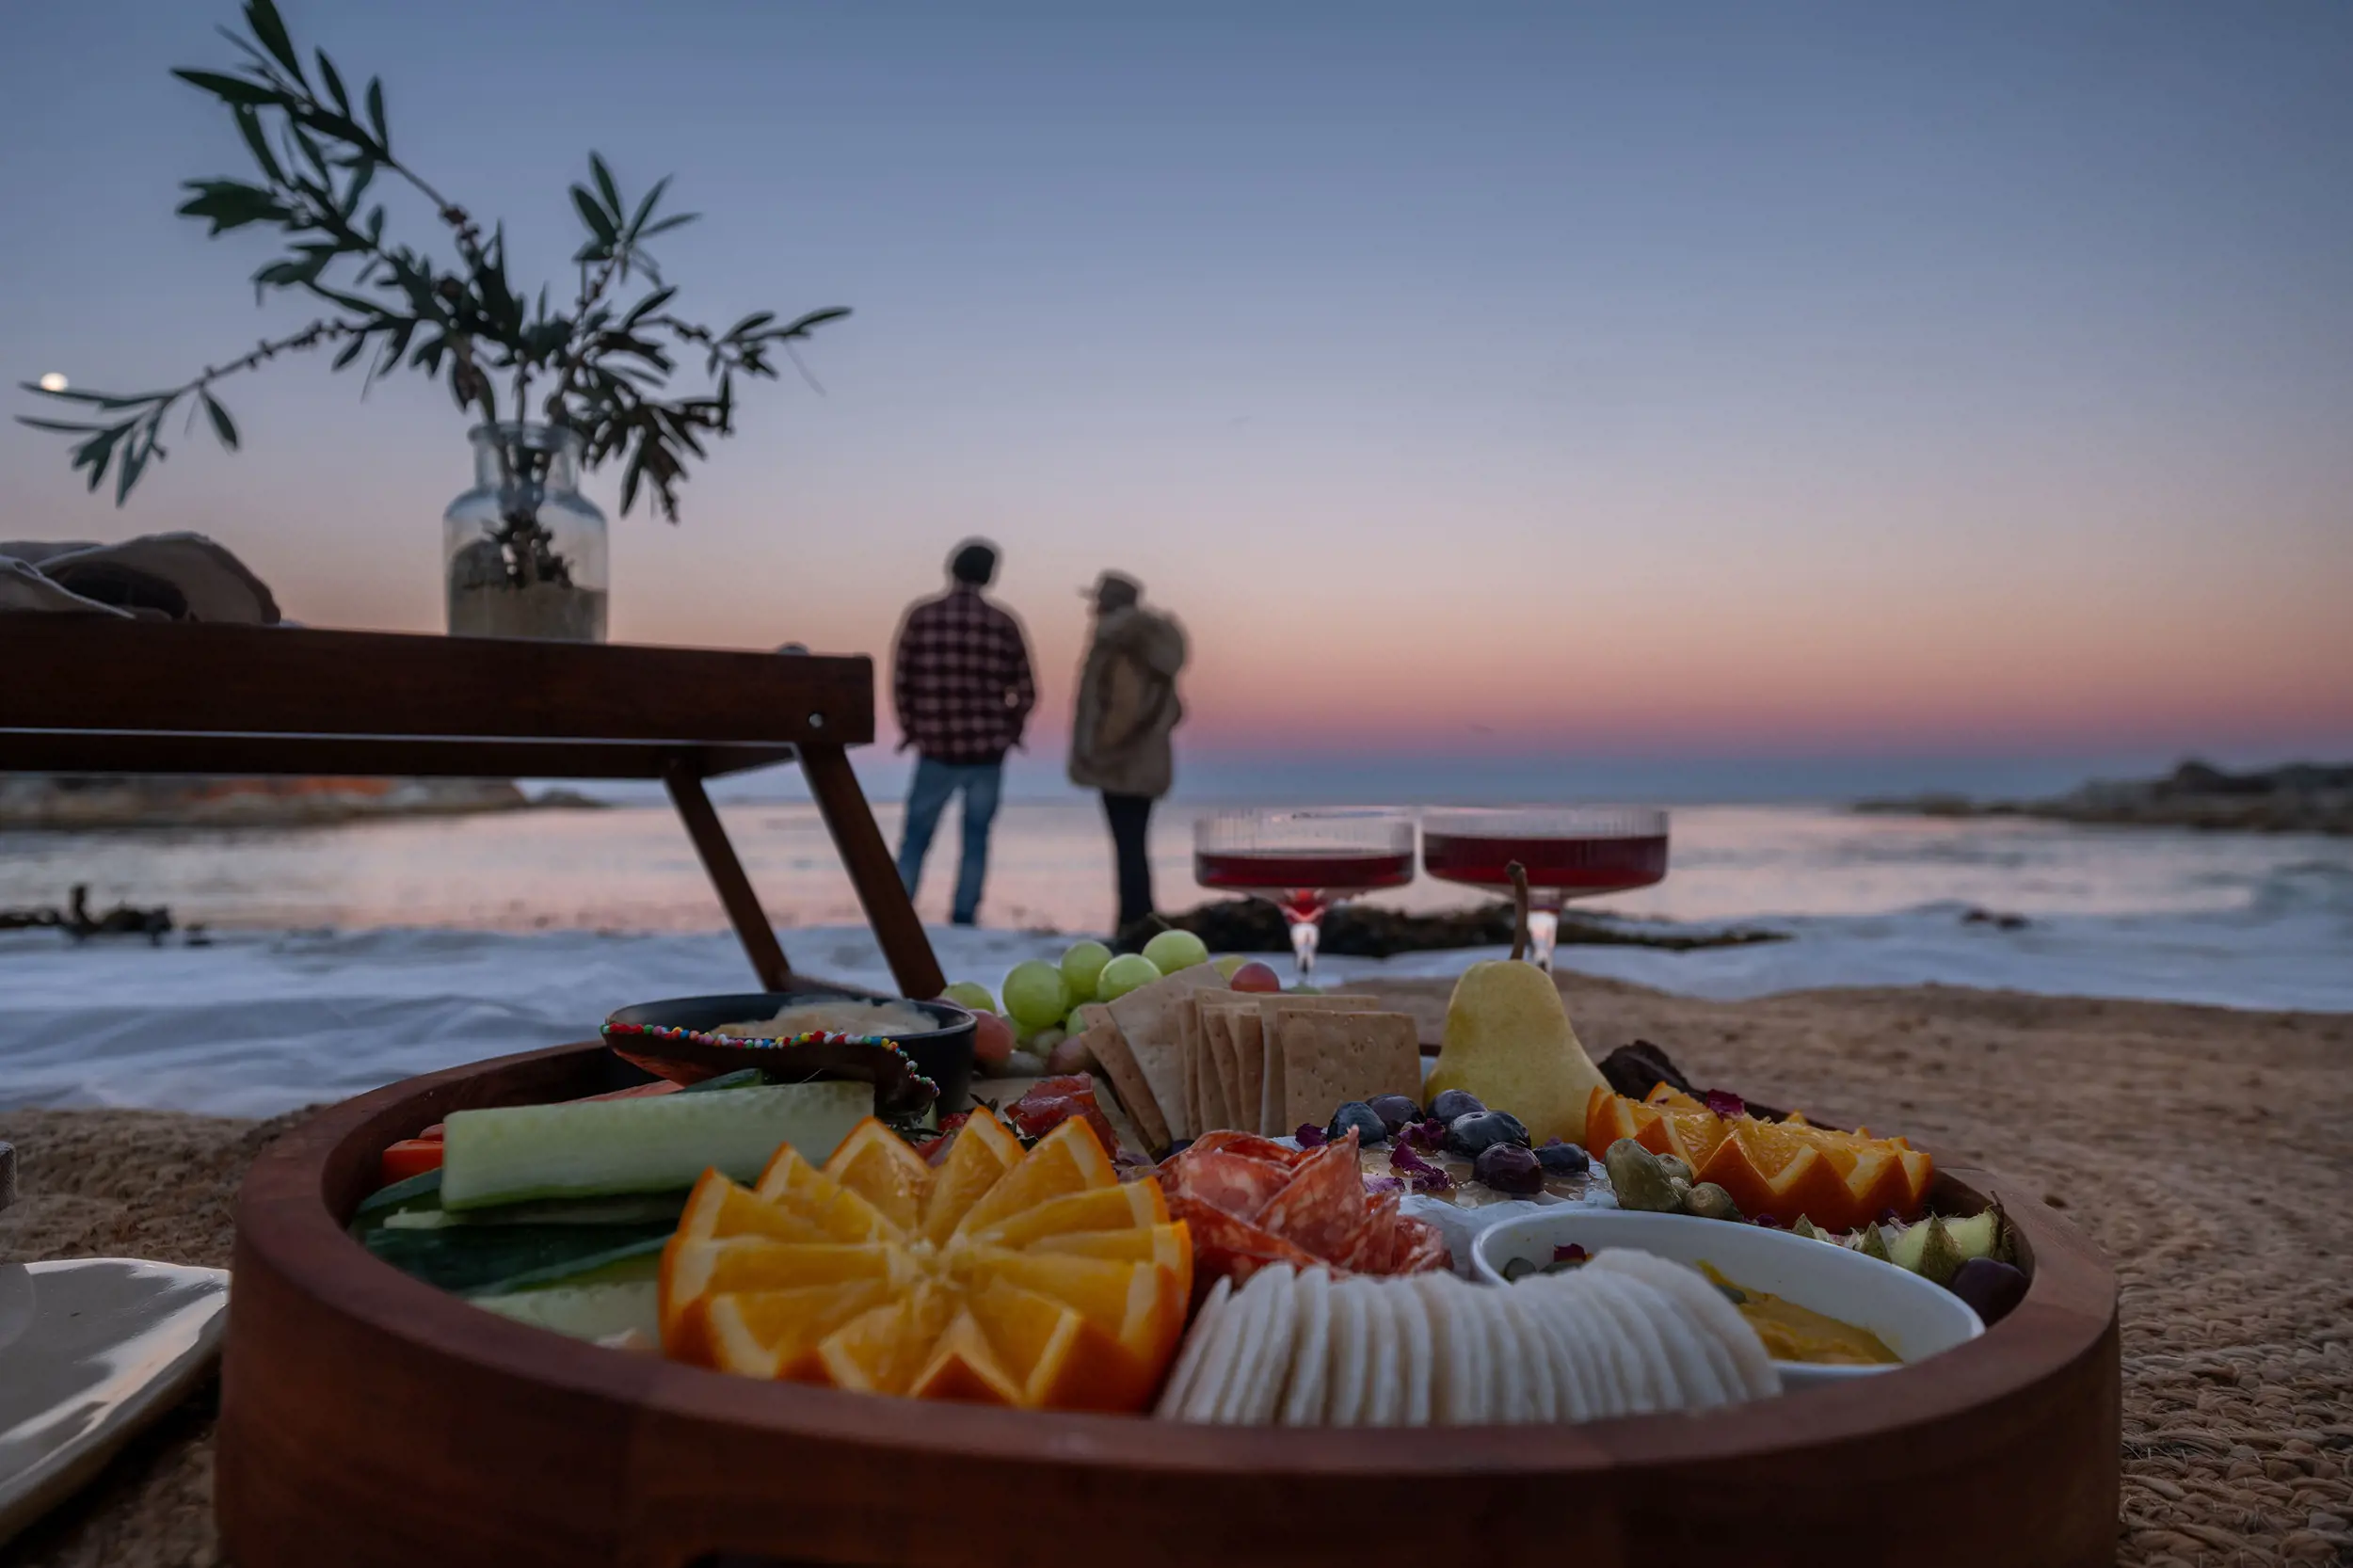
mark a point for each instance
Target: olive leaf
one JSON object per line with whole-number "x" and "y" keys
{"x": 600, "y": 366}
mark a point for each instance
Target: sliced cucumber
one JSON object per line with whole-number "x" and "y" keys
{"x": 494, "y": 1258}
{"x": 422, "y": 1191}
{"x": 584, "y": 1311}
{"x": 630, "y": 1208}
{"x": 596, "y": 1148}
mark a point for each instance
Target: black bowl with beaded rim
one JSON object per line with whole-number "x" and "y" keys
{"x": 942, "y": 1055}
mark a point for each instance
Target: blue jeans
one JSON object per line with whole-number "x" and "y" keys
{"x": 927, "y": 797}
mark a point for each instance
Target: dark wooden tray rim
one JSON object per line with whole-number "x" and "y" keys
{"x": 525, "y": 1447}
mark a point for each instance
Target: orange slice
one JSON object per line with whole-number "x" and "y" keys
{"x": 983, "y": 1151}
{"x": 876, "y": 1164}
{"x": 963, "y": 1366}
{"x": 1127, "y": 1205}
{"x": 792, "y": 1183}
{"x": 1169, "y": 1247}
{"x": 883, "y": 1351}
{"x": 1667, "y": 1094}
{"x": 1032, "y": 1279}
{"x": 693, "y": 1271}
{"x": 774, "y": 1334}
{"x": 1058, "y": 1357}
{"x": 1610, "y": 1118}
{"x": 719, "y": 1207}
{"x": 1140, "y": 1305}
{"x": 1068, "y": 1159}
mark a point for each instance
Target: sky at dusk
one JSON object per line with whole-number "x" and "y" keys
{"x": 1601, "y": 381}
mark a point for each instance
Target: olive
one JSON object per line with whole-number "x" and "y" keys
{"x": 1371, "y": 1128}
{"x": 1395, "y": 1110}
{"x": 1509, "y": 1168}
{"x": 1471, "y": 1134}
{"x": 1559, "y": 1159}
{"x": 1639, "y": 1180}
{"x": 1991, "y": 1288}
{"x": 1517, "y": 1269}
{"x": 1710, "y": 1202}
{"x": 1453, "y": 1103}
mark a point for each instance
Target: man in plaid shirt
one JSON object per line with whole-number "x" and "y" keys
{"x": 960, "y": 684}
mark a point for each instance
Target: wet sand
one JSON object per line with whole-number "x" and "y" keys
{"x": 2209, "y": 1151}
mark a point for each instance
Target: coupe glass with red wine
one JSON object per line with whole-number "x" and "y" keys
{"x": 1569, "y": 851}
{"x": 1304, "y": 862}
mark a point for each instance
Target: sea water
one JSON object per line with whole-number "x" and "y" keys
{"x": 341, "y": 958}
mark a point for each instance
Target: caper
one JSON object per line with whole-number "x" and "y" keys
{"x": 1710, "y": 1202}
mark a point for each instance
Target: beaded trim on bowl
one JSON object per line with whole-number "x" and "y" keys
{"x": 785, "y": 1042}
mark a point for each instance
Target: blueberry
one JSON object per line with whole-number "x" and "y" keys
{"x": 1453, "y": 1103}
{"x": 1395, "y": 1110}
{"x": 1474, "y": 1133}
{"x": 1509, "y": 1168}
{"x": 1559, "y": 1159}
{"x": 1371, "y": 1128}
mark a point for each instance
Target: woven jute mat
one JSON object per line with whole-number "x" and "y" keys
{"x": 2209, "y": 1152}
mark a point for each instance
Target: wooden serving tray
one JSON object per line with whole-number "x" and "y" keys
{"x": 368, "y": 1418}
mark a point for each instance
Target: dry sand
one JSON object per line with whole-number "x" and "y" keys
{"x": 2209, "y": 1152}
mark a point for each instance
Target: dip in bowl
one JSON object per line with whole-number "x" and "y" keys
{"x": 941, "y": 1049}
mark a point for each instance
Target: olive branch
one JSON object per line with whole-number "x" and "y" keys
{"x": 605, "y": 360}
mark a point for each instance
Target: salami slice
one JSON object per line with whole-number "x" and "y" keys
{"x": 1323, "y": 1209}
{"x": 1233, "y": 1183}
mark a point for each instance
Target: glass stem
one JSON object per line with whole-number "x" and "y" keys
{"x": 1304, "y": 935}
{"x": 1544, "y": 929}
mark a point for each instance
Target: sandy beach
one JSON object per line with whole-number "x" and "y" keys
{"x": 2206, "y": 1150}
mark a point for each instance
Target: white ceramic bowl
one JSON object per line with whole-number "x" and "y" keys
{"x": 1915, "y": 1319}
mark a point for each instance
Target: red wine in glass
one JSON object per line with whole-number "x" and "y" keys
{"x": 1304, "y": 862}
{"x": 1568, "y": 851}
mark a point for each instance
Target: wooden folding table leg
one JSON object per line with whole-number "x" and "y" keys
{"x": 727, "y": 874}
{"x": 888, "y": 909}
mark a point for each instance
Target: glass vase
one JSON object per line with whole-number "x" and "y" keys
{"x": 525, "y": 550}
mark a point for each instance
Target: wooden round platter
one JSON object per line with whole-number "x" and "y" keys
{"x": 369, "y": 1418}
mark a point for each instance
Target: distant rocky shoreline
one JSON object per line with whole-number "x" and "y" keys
{"x": 2301, "y": 797}
{"x": 62, "y": 803}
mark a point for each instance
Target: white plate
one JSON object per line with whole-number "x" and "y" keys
{"x": 92, "y": 1349}
{"x": 1915, "y": 1319}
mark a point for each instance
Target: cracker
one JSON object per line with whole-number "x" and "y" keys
{"x": 1238, "y": 1330}
{"x": 1108, "y": 1047}
{"x": 1189, "y": 1050}
{"x": 1146, "y": 1017}
{"x": 1686, "y": 1347}
{"x": 1331, "y": 1057}
{"x": 1591, "y": 1339}
{"x": 1347, "y": 1402}
{"x": 1573, "y": 1400}
{"x": 1753, "y": 1375}
{"x": 1249, "y": 1400}
{"x": 1385, "y": 1367}
{"x": 1634, "y": 1308}
{"x": 1311, "y": 1353}
{"x": 1525, "y": 1372}
{"x": 1413, "y": 1312}
{"x": 1189, "y": 1360}
{"x": 1218, "y": 1096}
{"x": 1615, "y": 1339}
{"x": 1230, "y": 1032}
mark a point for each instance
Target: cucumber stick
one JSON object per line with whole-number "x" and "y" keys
{"x": 598, "y": 1149}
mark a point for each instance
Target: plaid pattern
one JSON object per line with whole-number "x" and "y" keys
{"x": 961, "y": 679}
